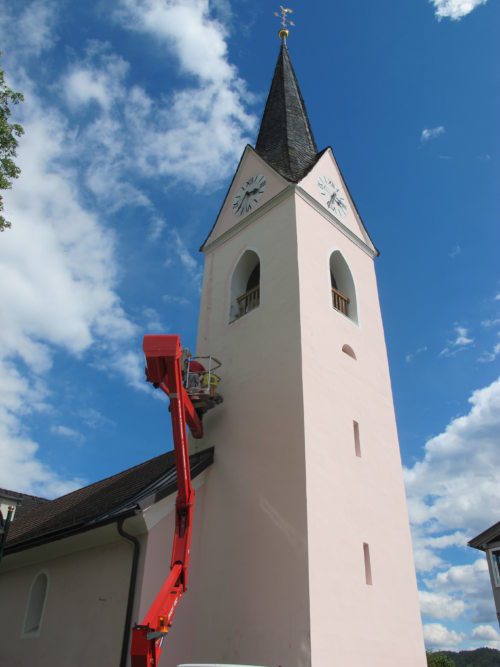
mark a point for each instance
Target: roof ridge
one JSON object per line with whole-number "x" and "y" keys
{"x": 21, "y": 494}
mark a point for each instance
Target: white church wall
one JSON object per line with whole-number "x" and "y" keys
{"x": 352, "y": 500}
{"x": 84, "y": 612}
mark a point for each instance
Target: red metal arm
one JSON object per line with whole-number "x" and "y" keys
{"x": 163, "y": 368}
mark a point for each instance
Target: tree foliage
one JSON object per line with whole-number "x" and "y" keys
{"x": 439, "y": 660}
{"x": 9, "y": 132}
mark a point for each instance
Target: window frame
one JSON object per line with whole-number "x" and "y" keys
{"x": 494, "y": 558}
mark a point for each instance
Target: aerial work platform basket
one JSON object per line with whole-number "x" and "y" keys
{"x": 201, "y": 381}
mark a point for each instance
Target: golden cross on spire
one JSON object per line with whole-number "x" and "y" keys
{"x": 284, "y": 15}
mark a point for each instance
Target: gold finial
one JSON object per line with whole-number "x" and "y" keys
{"x": 284, "y": 15}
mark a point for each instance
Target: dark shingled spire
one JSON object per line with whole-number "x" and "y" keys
{"x": 285, "y": 140}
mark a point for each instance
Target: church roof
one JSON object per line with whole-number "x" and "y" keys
{"x": 23, "y": 502}
{"x": 286, "y": 141}
{"x": 102, "y": 502}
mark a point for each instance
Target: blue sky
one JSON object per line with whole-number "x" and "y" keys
{"x": 136, "y": 114}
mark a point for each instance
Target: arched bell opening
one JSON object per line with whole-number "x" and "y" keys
{"x": 245, "y": 286}
{"x": 342, "y": 284}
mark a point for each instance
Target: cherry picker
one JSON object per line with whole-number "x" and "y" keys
{"x": 192, "y": 390}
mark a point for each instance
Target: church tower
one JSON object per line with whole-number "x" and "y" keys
{"x": 301, "y": 550}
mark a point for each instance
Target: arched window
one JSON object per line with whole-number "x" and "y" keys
{"x": 36, "y": 603}
{"x": 245, "y": 286}
{"x": 343, "y": 290}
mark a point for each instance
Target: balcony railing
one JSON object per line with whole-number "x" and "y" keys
{"x": 340, "y": 302}
{"x": 248, "y": 301}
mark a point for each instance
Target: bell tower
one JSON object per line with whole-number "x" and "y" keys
{"x": 301, "y": 550}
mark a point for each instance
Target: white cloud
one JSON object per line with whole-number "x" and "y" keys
{"x": 432, "y": 133}
{"x": 470, "y": 581}
{"x": 453, "y": 495}
{"x": 57, "y": 289}
{"x": 189, "y": 263}
{"x": 426, "y": 546}
{"x": 488, "y": 357}
{"x": 441, "y": 605}
{"x": 487, "y": 632}
{"x": 411, "y": 355}
{"x": 67, "y": 432}
{"x": 156, "y": 228}
{"x": 461, "y": 341}
{"x": 152, "y": 321}
{"x": 199, "y": 132}
{"x": 439, "y": 637}
{"x": 455, "y": 486}
{"x": 455, "y": 9}
{"x": 34, "y": 30}
{"x": 84, "y": 84}
{"x": 177, "y": 300}
{"x": 455, "y": 251}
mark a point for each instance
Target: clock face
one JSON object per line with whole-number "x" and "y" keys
{"x": 332, "y": 196}
{"x": 249, "y": 195}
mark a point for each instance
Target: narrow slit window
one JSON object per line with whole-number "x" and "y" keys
{"x": 357, "y": 441}
{"x": 36, "y": 604}
{"x": 368, "y": 564}
{"x": 347, "y": 349}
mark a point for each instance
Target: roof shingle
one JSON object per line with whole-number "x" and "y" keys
{"x": 286, "y": 140}
{"x": 102, "y": 501}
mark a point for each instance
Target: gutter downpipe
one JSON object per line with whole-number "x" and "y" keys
{"x": 131, "y": 591}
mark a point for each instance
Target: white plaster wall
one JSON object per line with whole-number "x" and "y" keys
{"x": 84, "y": 615}
{"x": 352, "y": 500}
{"x": 248, "y": 600}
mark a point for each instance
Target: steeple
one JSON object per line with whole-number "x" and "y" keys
{"x": 285, "y": 140}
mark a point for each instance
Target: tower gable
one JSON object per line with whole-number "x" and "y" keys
{"x": 326, "y": 185}
{"x": 251, "y": 166}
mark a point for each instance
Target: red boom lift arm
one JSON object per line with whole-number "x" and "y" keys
{"x": 163, "y": 368}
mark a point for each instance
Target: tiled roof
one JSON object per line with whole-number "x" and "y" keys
{"x": 286, "y": 140}
{"x": 23, "y": 501}
{"x": 102, "y": 501}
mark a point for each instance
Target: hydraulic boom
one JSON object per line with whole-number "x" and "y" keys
{"x": 164, "y": 369}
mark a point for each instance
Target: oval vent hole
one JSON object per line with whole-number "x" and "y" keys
{"x": 347, "y": 349}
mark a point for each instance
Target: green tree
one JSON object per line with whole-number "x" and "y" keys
{"x": 438, "y": 660}
{"x": 8, "y": 142}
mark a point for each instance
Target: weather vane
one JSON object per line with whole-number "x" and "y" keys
{"x": 284, "y": 15}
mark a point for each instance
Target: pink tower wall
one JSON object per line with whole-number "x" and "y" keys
{"x": 248, "y": 599}
{"x": 278, "y": 568}
{"x": 352, "y": 500}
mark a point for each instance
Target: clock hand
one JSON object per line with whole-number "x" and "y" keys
{"x": 243, "y": 200}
